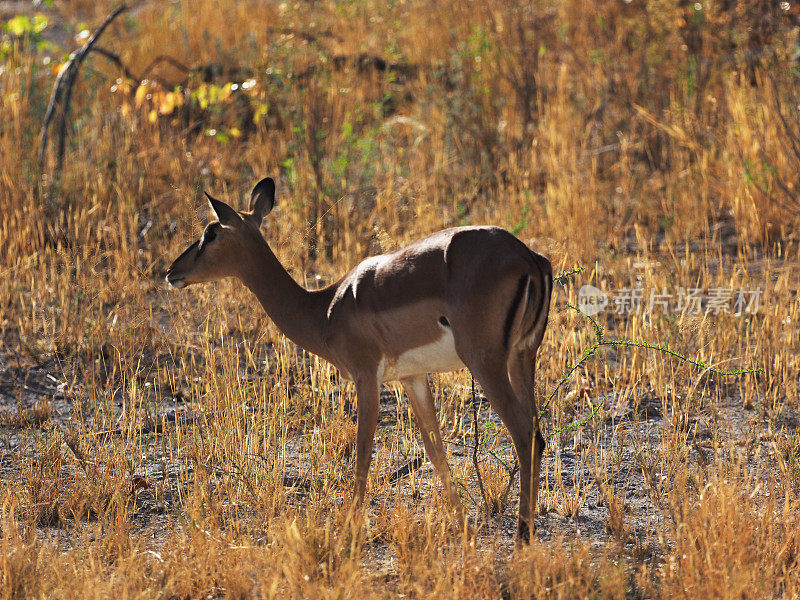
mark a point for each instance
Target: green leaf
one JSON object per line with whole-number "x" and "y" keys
{"x": 19, "y": 25}
{"x": 40, "y": 23}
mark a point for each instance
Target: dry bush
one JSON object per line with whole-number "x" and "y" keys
{"x": 553, "y": 571}
{"x": 733, "y": 539}
{"x": 437, "y": 557}
{"x": 35, "y": 416}
{"x": 787, "y": 453}
{"x": 41, "y": 481}
{"x": 614, "y": 501}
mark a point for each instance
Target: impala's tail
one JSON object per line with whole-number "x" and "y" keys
{"x": 528, "y": 316}
{"x": 543, "y": 304}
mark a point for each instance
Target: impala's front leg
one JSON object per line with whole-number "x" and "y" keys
{"x": 368, "y": 393}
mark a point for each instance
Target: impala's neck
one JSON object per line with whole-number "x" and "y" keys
{"x": 299, "y": 313}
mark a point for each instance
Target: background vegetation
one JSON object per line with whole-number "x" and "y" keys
{"x": 164, "y": 444}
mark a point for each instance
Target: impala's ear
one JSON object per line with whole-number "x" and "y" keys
{"x": 262, "y": 199}
{"x": 225, "y": 214}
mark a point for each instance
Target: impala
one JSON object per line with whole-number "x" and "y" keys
{"x": 474, "y": 297}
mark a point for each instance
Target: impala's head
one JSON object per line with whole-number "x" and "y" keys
{"x": 226, "y": 241}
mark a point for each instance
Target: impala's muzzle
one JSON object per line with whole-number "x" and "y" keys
{"x": 176, "y": 274}
{"x": 174, "y": 278}
{"x": 176, "y": 282}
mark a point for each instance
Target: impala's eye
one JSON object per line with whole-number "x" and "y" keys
{"x": 209, "y": 235}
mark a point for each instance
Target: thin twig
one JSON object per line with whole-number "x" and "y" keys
{"x": 475, "y": 445}
{"x": 512, "y": 471}
{"x": 114, "y": 57}
{"x": 600, "y": 340}
{"x": 573, "y": 271}
{"x": 511, "y": 478}
{"x": 167, "y": 59}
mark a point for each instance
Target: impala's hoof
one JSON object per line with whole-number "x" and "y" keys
{"x": 524, "y": 532}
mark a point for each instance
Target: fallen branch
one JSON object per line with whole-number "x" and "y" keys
{"x": 411, "y": 465}
{"x": 62, "y": 90}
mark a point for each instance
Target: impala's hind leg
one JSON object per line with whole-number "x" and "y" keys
{"x": 419, "y": 395}
{"x": 494, "y": 379}
{"x": 522, "y": 371}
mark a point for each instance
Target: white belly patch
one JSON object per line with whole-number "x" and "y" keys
{"x": 438, "y": 357}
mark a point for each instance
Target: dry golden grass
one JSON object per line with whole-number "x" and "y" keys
{"x": 175, "y": 445}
